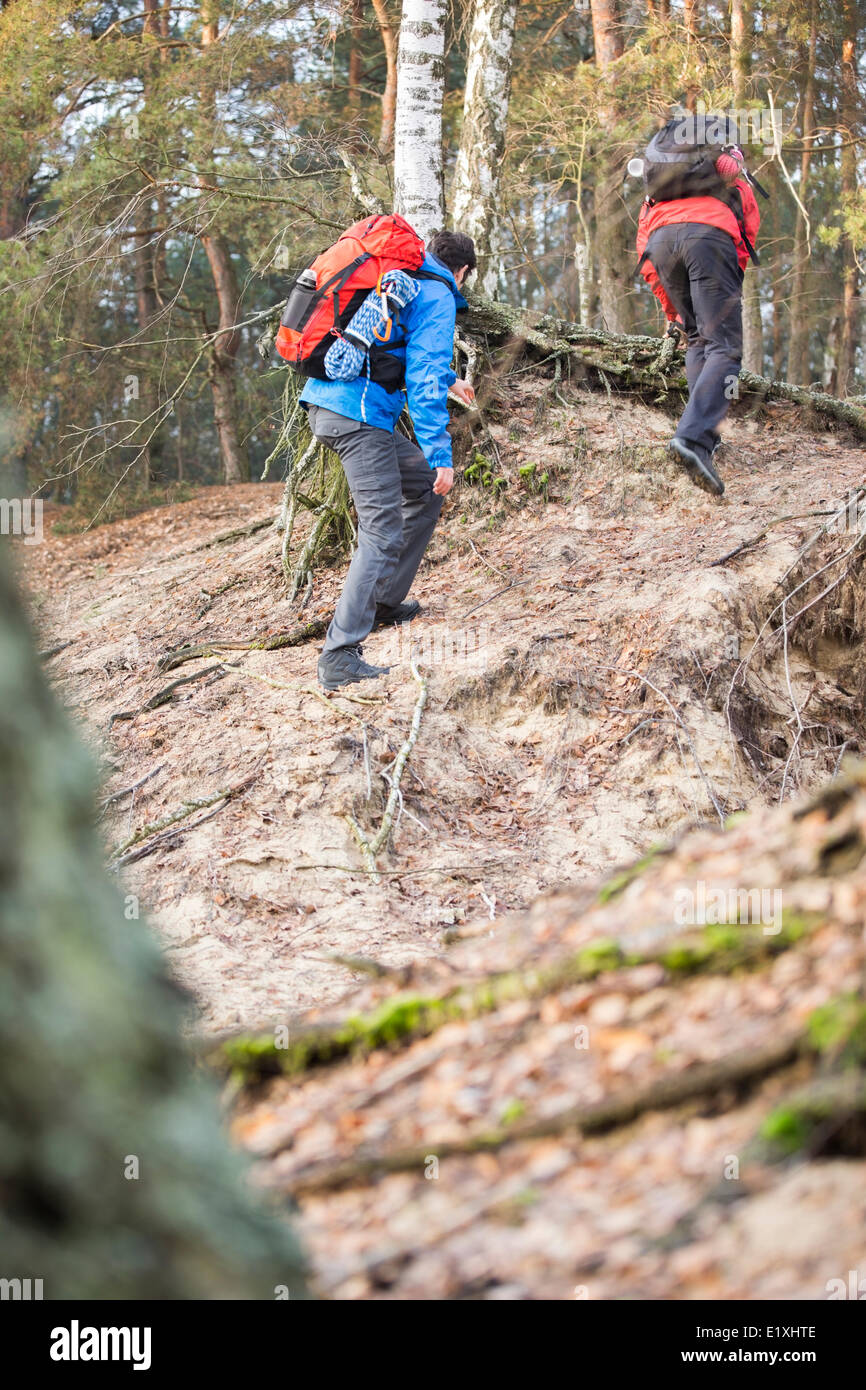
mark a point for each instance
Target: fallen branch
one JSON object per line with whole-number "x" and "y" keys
{"x": 188, "y": 808}
{"x": 169, "y": 837}
{"x": 756, "y": 540}
{"x": 129, "y": 791}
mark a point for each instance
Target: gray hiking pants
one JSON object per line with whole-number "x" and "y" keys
{"x": 698, "y": 266}
{"x": 391, "y": 484}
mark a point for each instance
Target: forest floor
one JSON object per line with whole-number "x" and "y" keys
{"x": 595, "y": 687}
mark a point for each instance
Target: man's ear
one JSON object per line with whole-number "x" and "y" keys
{"x": 461, "y": 275}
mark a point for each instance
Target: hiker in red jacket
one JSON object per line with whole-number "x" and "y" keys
{"x": 694, "y": 252}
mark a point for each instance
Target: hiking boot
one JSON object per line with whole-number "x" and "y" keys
{"x": 402, "y": 613}
{"x": 343, "y": 666}
{"x": 701, "y": 468}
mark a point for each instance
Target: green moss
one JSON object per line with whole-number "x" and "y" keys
{"x": 787, "y": 1127}
{"x": 513, "y": 1110}
{"x": 395, "y": 1020}
{"x": 838, "y": 1029}
{"x": 478, "y": 470}
{"x": 621, "y": 881}
{"x": 724, "y": 947}
{"x": 599, "y": 956}
{"x": 797, "y": 924}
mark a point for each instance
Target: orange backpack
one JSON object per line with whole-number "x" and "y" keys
{"x": 326, "y": 296}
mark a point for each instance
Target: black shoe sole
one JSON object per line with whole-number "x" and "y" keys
{"x": 693, "y": 461}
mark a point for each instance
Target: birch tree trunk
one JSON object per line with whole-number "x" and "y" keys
{"x": 848, "y": 171}
{"x": 418, "y": 180}
{"x": 477, "y": 178}
{"x": 583, "y": 267}
{"x": 798, "y": 348}
{"x": 753, "y": 333}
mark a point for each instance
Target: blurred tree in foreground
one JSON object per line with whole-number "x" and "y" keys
{"x": 116, "y": 1180}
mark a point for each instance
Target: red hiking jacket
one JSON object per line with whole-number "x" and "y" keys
{"x": 711, "y": 211}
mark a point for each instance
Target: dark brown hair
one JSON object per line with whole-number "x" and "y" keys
{"x": 454, "y": 249}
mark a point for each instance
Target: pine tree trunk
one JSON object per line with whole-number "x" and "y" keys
{"x": 798, "y": 347}
{"x": 355, "y": 61}
{"x": 235, "y": 463}
{"x": 475, "y": 196}
{"x": 418, "y": 176}
{"x": 146, "y": 307}
{"x": 613, "y": 232}
{"x": 389, "y": 95}
{"x": 221, "y": 370}
{"x": 690, "y": 21}
{"x": 144, "y": 255}
{"x": 848, "y": 174}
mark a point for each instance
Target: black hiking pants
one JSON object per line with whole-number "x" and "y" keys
{"x": 699, "y": 270}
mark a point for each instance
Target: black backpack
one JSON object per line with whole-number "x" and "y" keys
{"x": 680, "y": 162}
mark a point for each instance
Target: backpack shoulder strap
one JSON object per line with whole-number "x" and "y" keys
{"x": 735, "y": 203}
{"x": 443, "y": 280}
{"x": 431, "y": 275}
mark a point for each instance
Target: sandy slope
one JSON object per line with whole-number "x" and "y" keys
{"x": 541, "y": 759}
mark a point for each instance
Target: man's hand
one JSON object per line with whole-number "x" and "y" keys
{"x": 444, "y": 479}
{"x": 463, "y": 391}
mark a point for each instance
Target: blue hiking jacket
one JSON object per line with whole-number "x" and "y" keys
{"x": 425, "y": 340}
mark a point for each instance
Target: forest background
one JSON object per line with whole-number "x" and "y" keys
{"x": 165, "y": 169}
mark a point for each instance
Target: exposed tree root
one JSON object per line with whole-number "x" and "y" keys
{"x": 829, "y": 1115}
{"x": 238, "y": 533}
{"x": 131, "y": 790}
{"x": 295, "y": 637}
{"x": 737, "y": 1070}
{"x": 163, "y": 696}
{"x": 638, "y": 363}
{"x": 58, "y": 647}
{"x": 403, "y": 1018}
{"x": 370, "y": 848}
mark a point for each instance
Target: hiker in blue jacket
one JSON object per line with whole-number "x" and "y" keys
{"x": 398, "y": 487}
